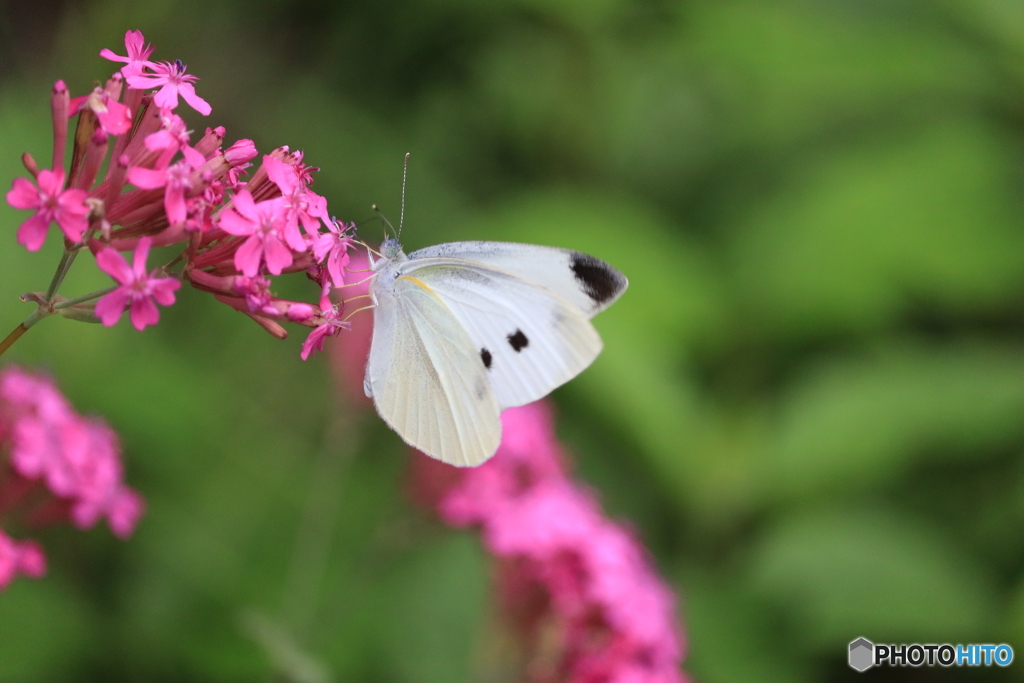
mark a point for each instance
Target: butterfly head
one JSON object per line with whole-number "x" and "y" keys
{"x": 391, "y": 250}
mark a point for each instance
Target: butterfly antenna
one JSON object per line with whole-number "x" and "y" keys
{"x": 405, "y": 174}
{"x": 386, "y": 221}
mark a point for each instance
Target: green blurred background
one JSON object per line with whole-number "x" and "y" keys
{"x": 811, "y": 400}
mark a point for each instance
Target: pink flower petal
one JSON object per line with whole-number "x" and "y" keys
{"x": 140, "y": 256}
{"x": 146, "y": 178}
{"x": 32, "y": 232}
{"x": 234, "y": 224}
{"x": 188, "y": 91}
{"x": 23, "y": 195}
{"x": 110, "y": 306}
{"x": 244, "y": 204}
{"x": 144, "y": 312}
{"x": 248, "y": 256}
{"x": 114, "y": 265}
{"x": 277, "y": 255}
{"x": 166, "y": 97}
{"x": 163, "y": 289}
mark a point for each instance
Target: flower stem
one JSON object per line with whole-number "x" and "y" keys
{"x": 12, "y": 337}
{"x": 82, "y": 299}
{"x": 21, "y": 329}
{"x": 62, "y": 270}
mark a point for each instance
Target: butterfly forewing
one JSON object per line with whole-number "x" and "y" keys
{"x": 584, "y": 281}
{"x": 426, "y": 378}
{"x": 527, "y": 337}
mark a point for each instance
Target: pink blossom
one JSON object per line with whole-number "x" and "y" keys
{"x": 332, "y": 324}
{"x": 613, "y": 619}
{"x": 301, "y": 205}
{"x": 256, "y": 291}
{"x": 138, "y": 54}
{"x": 137, "y": 288}
{"x": 261, "y": 223}
{"x": 19, "y": 558}
{"x": 172, "y": 137}
{"x": 334, "y": 246}
{"x": 66, "y": 207}
{"x": 172, "y": 80}
{"x": 76, "y": 459}
{"x": 114, "y": 117}
{"x": 176, "y": 179}
{"x": 240, "y": 152}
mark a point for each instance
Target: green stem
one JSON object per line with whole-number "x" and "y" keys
{"x": 62, "y": 270}
{"x": 82, "y": 299}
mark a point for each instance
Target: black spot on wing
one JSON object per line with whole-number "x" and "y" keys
{"x": 597, "y": 279}
{"x": 518, "y": 341}
{"x": 485, "y": 356}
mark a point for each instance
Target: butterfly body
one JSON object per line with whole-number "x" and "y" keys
{"x": 466, "y": 329}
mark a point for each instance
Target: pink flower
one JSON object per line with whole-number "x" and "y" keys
{"x": 176, "y": 180}
{"x": 261, "y": 223}
{"x": 66, "y": 207}
{"x": 332, "y": 324}
{"x": 19, "y": 558}
{"x": 300, "y": 204}
{"x": 137, "y": 288}
{"x": 138, "y": 54}
{"x": 76, "y": 459}
{"x": 114, "y": 117}
{"x": 172, "y": 136}
{"x": 172, "y": 80}
{"x": 563, "y": 564}
{"x": 333, "y": 245}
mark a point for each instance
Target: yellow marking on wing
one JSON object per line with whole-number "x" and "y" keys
{"x": 416, "y": 281}
{"x": 426, "y": 288}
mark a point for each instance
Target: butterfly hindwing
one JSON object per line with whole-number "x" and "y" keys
{"x": 583, "y": 280}
{"x": 426, "y": 378}
{"x": 528, "y": 338}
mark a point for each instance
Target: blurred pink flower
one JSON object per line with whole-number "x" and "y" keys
{"x": 52, "y": 203}
{"x": 562, "y": 563}
{"x": 61, "y": 467}
{"x": 349, "y": 352}
{"x": 19, "y": 558}
{"x": 137, "y": 288}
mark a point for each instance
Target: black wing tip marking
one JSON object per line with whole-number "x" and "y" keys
{"x": 518, "y": 341}
{"x": 597, "y": 279}
{"x": 485, "y": 356}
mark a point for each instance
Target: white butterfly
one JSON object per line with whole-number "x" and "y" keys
{"x": 463, "y": 330}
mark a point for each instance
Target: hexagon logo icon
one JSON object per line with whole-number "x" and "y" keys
{"x": 862, "y": 654}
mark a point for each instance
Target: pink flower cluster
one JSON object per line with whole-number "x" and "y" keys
{"x": 161, "y": 188}
{"x": 60, "y": 467}
{"x": 573, "y": 582}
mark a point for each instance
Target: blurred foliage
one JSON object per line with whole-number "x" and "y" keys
{"x": 810, "y": 401}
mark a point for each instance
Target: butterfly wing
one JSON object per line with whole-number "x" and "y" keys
{"x": 588, "y": 283}
{"x": 426, "y": 378}
{"x": 527, "y": 337}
